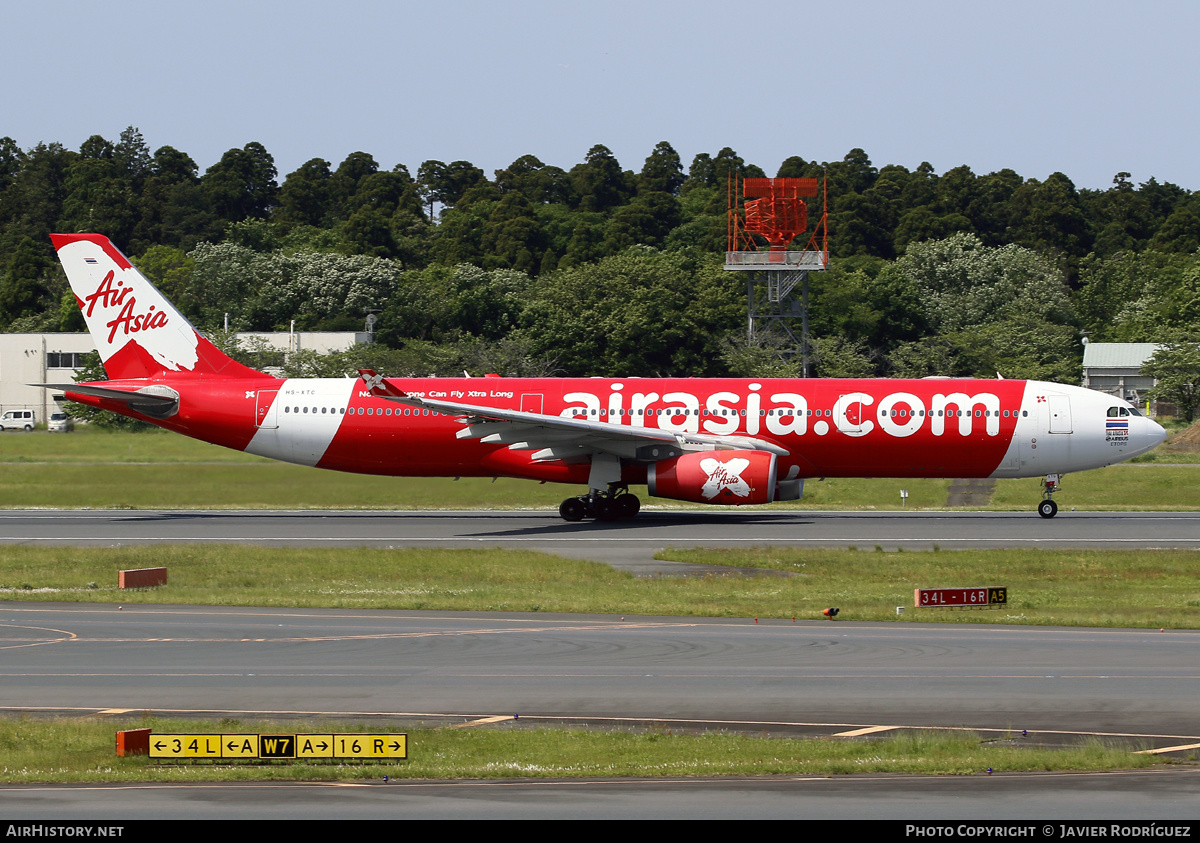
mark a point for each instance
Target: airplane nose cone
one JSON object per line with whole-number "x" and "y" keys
{"x": 1144, "y": 436}
{"x": 1155, "y": 434}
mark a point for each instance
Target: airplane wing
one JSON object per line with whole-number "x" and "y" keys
{"x": 561, "y": 438}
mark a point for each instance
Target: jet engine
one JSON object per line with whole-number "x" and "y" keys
{"x": 719, "y": 477}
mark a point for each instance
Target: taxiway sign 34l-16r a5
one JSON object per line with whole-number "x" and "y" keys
{"x": 717, "y": 441}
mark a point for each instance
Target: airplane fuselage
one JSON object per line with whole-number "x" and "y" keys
{"x": 830, "y": 428}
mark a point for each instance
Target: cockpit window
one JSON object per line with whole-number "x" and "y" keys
{"x": 1116, "y": 412}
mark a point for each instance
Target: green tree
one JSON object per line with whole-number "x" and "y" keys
{"x": 1049, "y": 216}
{"x": 853, "y": 174}
{"x": 345, "y": 181}
{"x": 31, "y": 206}
{"x": 369, "y": 232}
{"x": 1120, "y": 216}
{"x": 962, "y": 284}
{"x": 512, "y": 237}
{"x": 645, "y": 221}
{"x": 168, "y": 268}
{"x": 662, "y": 171}
{"x": 446, "y": 183}
{"x": 1176, "y": 368}
{"x": 587, "y": 239}
{"x": 224, "y": 279}
{"x": 100, "y": 196}
{"x": 132, "y": 157}
{"x": 242, "y": 184}
{"x": 1180, "y": 232}
{"x": 458, "y": 237}
{"x": 837, "y": 357}
{"x": 599, "y": 181}
{"x": 172, "y": 208}
{"x": 922, "y": 224}
{"x": 23, "y": 289}
{"x": 538, "y": 183}
{"x": 11, "y": 161}
{"x": 306, "y": 197}
{"x": 640, "y": 313}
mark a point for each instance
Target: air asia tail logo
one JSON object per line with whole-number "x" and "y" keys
{"x": 109, "y": 295}
{"x": 724, "y": 475}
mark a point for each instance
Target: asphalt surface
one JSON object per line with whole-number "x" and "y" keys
{"x": 628, "y": 545}
{"x": 817, "y": 678}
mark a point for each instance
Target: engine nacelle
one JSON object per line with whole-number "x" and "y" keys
{"x": 719, "y": 477}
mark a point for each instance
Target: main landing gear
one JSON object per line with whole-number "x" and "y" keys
{"x": 1050, "y": 484}
{"x": 616, "y": 503}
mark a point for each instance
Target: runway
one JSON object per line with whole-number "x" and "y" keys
{"x": 433, "y": 668}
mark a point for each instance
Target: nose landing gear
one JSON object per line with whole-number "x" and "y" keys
{"x": 615, "y": 504}
{"x": 1050, "y": 484}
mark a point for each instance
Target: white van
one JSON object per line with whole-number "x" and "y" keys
{"x": 17, "y": 420}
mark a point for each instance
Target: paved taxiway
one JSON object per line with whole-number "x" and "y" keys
{"x": 433, "y": 668}
{"x": 816, "y": 676}
{"x": 1161, "y": 797}
{"x": 629, "y": 545}
{"x": 805, "y": 678}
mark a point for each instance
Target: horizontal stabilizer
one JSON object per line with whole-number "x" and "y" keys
{"x": 155, "y": 400}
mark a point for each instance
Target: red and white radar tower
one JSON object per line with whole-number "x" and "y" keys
{"x": 772, "y": 213}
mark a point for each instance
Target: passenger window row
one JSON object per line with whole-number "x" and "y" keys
{"x": 387, "y": 411}
{"x": 826, "y": 413}
{"x": 369, "y": 411}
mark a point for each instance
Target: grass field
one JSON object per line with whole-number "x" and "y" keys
{"x": 160, "y": 470}
{"x": 82, "y": 751}
{"x": 1149, "y": 589}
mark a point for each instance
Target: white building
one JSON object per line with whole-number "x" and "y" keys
{"x": 55, "y": 358}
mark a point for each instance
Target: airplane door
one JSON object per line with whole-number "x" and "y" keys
{"x": 264, "y": 409}
{"x": 1060, "y": 413}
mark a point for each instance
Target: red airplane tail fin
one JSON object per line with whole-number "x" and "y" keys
{"x": 138, "y": 333}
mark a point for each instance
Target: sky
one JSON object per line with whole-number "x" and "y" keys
{"x": 1089, "y": 89}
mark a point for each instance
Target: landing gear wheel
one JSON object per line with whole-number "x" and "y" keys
{"x": 573, "y": 509}
{"x": 627, "y": 506}
{"x": 1047, "y": 509}
{"x": 606, "y": 509}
